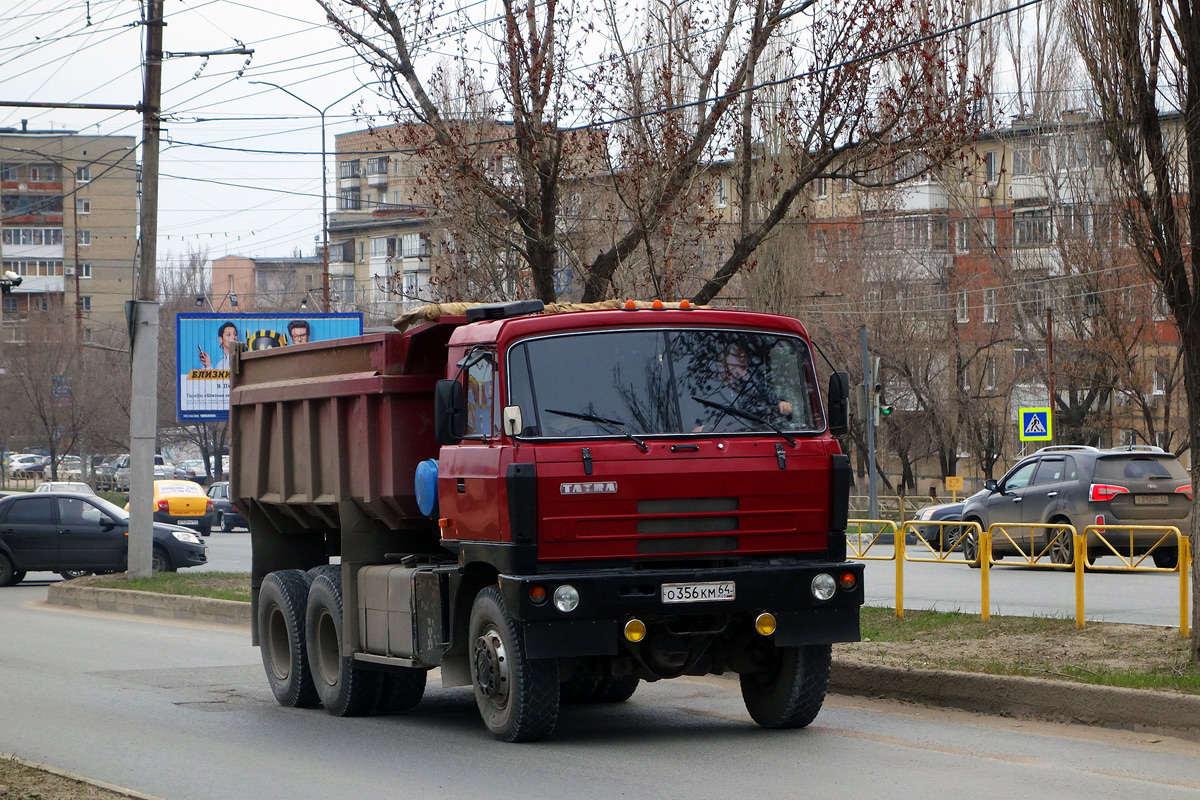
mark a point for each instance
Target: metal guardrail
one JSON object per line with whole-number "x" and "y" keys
{"x": 1061, "y": 547}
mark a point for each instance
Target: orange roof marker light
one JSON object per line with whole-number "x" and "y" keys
{"x": 685, "y": 304}
{"x": 657, "y": 304}
{"x": 630, "y": 305}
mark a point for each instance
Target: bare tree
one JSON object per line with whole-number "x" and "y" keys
{"x": 1138, "y": 55}
{"x": 862, "y": 89}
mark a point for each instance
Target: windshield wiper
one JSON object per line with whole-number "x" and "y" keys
{"x": 614, "y": 423}
{"x": 737, "y": 412}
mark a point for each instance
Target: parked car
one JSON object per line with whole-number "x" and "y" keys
{"x": 1081, "y": 486}
{"x": 228, "y": 517}
{"x": 75, "y": 534}
{"x": 104, "y": 473}
{"x": 68, "y": 467}
{"x": 183, "y": 503}
{"x": 192, "y": 470}
{"x": 163, "y": 470}
{"x": 78, "y": 487}
{"x": 25, "y": 464}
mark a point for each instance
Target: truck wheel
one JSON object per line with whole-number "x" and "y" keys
{"x": 402, "y": 690}
{"x": 345, "y": 690}
{"x": 517, "y": 696}
{"x": 616, "y": 690}
{"x": 281, "y": 604}
{"x": 789, "y": 693}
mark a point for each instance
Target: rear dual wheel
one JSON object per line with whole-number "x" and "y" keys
{"x": 282, "y": 601}
{"x": 345, "y": 689}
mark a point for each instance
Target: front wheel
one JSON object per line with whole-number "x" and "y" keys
{"x": 970, "y": 547}
{"x": 345, "y": 690}
{"x": 517, "y": 696}
{"x": 790, "y": 689}
{"x": 160, "y": 561}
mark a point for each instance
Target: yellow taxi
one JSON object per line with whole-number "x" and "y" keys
{"x": 183, "y": 503}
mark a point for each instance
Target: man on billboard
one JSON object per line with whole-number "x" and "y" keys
{"x": 227, "y": 336}
{"x": 298, "y": 330}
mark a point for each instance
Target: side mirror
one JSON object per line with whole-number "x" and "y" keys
{"x": 449, "y": 412}
{"x": 990, "y": 484}
{"x": 839, "y": 409}
{"x": 510, "y": 417}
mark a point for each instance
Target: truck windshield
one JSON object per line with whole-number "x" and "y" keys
{"x": 648, "y": 382}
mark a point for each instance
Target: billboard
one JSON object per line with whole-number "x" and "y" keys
{"x": 203, "y": 343}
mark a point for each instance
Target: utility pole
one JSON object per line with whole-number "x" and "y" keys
{"x": 1050, "y": 357}
{"x": 143, "y": 329}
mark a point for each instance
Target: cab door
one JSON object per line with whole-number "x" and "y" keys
{"x": 469, "y": 475}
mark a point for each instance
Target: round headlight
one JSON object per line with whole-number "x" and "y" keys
{"x": 823, "y": 586}
{"x": 566, "y": 598}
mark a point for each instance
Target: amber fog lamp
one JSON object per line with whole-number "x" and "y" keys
{"x": 635, "y": 630}
{"x": 764, "y": 623}
{"x": 537, "y": 594}
{"x": 847, "y": 581}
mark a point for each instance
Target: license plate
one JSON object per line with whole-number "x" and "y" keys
{"x": 189, "y": 522}
{"x": 697, "y": 592}
{"x": 1150, "y": 499}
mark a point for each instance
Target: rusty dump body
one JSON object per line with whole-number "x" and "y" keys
{"x": 595, "y": 470}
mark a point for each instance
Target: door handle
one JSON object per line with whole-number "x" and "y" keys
{"x": 1051, "y": 494}
{"x": 1018, "y": 499}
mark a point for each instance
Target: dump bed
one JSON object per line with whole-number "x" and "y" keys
{"x": 316, "y": 425}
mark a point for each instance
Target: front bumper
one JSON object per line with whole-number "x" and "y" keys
{"x": 609, "y": 599}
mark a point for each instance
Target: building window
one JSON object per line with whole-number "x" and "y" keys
{"x": 83, "y": 174}
{"x": 1032, "y": 228}
{"x": 991, "y": 373}
{"x": 83, "y": 206}
{"x": 1160, "y": 383}
{"x": 962, "y": 310}
{"x": 722, "y": 193}
{"x": 383, "y": 247}
{"x": 1160, "y": 439}
{"x": 410, "y": 285}
{"x": 350, "y": 200}
{"x": 991, "y": 166}
{"x": 348, "y": 168}
{"x": 415, "y": 245}
{"x": 377, "y": 165}
{"x": 85, "y": 238}
{"x": 32, "y": 236}
{"x": 10, "y": 304}
{"x": 42, "y": 173}
{"x": 820, "y": 188}
{"x": 844, "y": 185}
{"x": 990, "y": 296}
{"x": 85, "y": 269}
{"x": 85, "y": 302}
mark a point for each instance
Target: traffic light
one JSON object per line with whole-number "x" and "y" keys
{"x": 881, "y": 409}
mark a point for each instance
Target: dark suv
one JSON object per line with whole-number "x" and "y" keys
{"x": 1080, "y": 485}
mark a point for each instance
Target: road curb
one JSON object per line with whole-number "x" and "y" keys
{"x": 1169, "y": 713}
{"x": 149, "y": 604}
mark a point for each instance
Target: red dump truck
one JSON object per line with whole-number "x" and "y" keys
{"x": 548, "y": 507}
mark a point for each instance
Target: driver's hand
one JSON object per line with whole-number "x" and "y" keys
{"x": 785, "y": 408}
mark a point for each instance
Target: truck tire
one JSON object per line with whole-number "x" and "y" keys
{"x": 790, "y": 692}
{"x": 281, "y": 605}
{"x": 402, "y": 690}
{"x": 517, "y": 696}
{"x": 345, "y": 690}
{"x": 616, "y": 690}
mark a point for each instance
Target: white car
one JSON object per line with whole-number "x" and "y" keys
{"x": 64, "y": 486}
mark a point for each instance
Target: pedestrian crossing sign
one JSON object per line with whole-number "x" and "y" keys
{"x": 1036, "y": 425}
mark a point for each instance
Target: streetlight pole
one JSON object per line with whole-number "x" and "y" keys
{"x": 324, "y": 186}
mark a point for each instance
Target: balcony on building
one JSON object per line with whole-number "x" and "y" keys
{"x": 377, "y": 167}
{"x": 925, "y": 194}
{"x": 1028, "y": 188}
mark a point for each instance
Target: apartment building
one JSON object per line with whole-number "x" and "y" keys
{"x": 68, "y": 227}
{"x": 244, "y": 284}
{"x": 991, "y": 284}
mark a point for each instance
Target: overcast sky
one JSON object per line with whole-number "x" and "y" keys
{"x": 240, "y": 163}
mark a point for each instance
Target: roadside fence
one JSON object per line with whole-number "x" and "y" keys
{"x": 1139, "y": 548}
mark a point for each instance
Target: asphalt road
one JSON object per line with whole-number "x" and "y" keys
{"x": 183, "y": 712}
